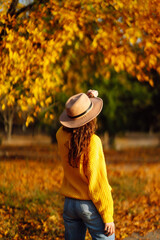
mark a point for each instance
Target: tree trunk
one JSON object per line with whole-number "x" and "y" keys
{"x": 5, "y": 122}
{"x": 10, "y": 126}
{"x": 8, "y": 122}
{"x": 24, "y": 127}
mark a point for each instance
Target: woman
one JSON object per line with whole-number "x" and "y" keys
{"x": 88, "y": 199}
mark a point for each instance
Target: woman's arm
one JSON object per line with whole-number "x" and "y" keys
{"x": 98, "y": 186}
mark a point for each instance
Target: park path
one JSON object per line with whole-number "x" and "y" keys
{"x": 155, "y": 235}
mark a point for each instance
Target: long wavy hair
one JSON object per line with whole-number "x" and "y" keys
{"x": 80, "y": 139}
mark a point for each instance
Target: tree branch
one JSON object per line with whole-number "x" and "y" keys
{"x": 24, "y": 9}
{"x": 29, "y": 7}
{"x": 12, "y": 9}
{"x": 12, "y": 12}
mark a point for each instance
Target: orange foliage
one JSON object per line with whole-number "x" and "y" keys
{"x": 31, "y": 205}
{"x": 60, "y": 45}
{"x": 142, "y": 213}
{"x": 27, "y": 200}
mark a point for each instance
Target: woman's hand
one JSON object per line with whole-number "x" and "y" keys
{"x": 92, "y": 93}
{"x": 109, "y": 228}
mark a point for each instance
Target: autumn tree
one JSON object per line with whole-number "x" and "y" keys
{"x": 52, "y": 46}
{"x": 126, "y": 104}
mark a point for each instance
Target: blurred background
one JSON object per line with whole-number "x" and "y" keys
{"x": 50, "y": 50}
{"x": 130, "y": 115}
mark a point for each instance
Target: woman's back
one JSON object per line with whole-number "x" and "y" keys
{"x": 88, "y": 199}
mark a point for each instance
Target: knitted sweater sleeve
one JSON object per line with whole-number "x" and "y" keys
{"x": 98, "y": 185}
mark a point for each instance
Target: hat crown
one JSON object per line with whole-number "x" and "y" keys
{"x": 77, "y": 105}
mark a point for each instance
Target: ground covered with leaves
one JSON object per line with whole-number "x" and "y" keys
{"x": 31, "y": 205}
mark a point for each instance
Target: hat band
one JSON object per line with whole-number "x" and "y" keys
{"x": 82, "y": 113}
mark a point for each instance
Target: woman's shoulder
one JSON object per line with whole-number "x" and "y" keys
{"x": 62, "y": 134}
{"x": 95, "y": 139}
{"x": 59, "y": 132}
{"x": 95, "y": 149}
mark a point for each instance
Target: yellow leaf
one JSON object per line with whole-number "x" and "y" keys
{"x": 151, "y": 82}
{"x": 34, "y": 101}
{"x": 142, "y": 64}
{"x": 3, "y": 106}
{"x": 48, "y": 100}
{"x": 139, "y": 77}
{"x": 148, "y": 45}
{"x": 42, "y": 103}
{"x": 94, "y": 44}
{"x": 51, "y": 116}
{"x": 24, "y": 108}
{"x": 107, "y": 75}
{"x": 69, "y": 42}
{"x": 133, "y": 40}
{"x": 152, "y": 60}
{"x": 29, "y": 120}
{"x": 158, "y": 69}
{"x": 80, "y": 35}
{"x": 117, "y": 68}
{"x": 46, "y": 115}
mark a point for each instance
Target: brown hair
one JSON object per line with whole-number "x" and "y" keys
{"x": 80, "y": 139}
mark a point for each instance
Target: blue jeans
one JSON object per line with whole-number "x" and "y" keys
{"x": 79, "y": 215}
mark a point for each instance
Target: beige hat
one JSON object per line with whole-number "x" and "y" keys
{"x": 79, "y": 110}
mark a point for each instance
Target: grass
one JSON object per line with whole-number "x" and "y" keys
{"x": 127, "y": 187}
{"x": 28, "y": 197}
{"x": 31, "y": 205}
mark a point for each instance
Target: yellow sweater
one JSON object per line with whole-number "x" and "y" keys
{"x": 91, "y": 185}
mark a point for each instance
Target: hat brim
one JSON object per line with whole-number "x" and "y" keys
{"x": 65, "y": 120}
